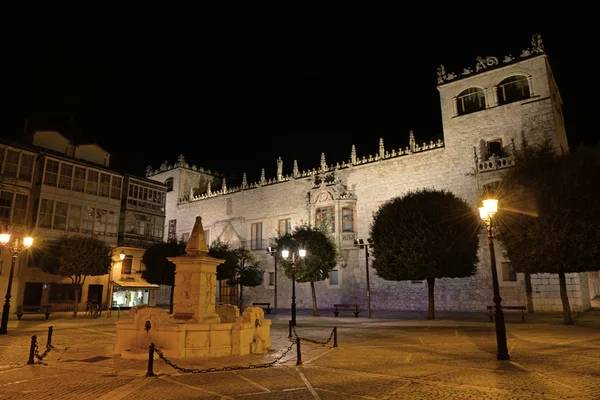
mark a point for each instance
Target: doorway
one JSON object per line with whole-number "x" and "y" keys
{"x": 95, "y": 293}
{"x": 33, "y": 293}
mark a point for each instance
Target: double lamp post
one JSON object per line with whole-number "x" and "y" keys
{"x": 15, "y": 248}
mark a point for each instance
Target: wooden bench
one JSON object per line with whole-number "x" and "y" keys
{"x": 355, "y": 308}
{"x": 514, "y": 308}
{"x": 33, "y": 310}
{"x": 267, "y": 307}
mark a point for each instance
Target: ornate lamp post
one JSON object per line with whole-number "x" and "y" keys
{"x": 360, "y": 244}
{"x": 285, "y": 254}
{"x": 15, "y": 248}
{"x": 487, "y": 212}
{"x": 273, "y": 251}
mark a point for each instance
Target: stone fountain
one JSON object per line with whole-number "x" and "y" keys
{"x": 197, "y": 327}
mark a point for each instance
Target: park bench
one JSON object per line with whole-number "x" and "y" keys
{"x": 512, "y": 308}
{"x": 355, "y": 308}
{"x": 267, "y": 307}
{"x": 33, "y": 310}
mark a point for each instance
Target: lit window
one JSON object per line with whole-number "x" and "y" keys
{"x": 51, "y": 174}
{"x": 256, "y": 236}
{"x": 347, "y": 219}
{"x": 512, "y": 89}
{"x": 325, "y": 217}
{"x": 333, "y": 277}
{"x": 285, "y": 226}
{"x": 470, "y": 100}
{"x": 126, "y": 265}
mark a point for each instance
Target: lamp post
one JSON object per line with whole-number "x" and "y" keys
{"x": 273, "y": 251}
{"x": 487, "y": 212}
{"x": 15, "y": 248}
{"x": 360, "y": 244}
{"x": 285, "y": 254}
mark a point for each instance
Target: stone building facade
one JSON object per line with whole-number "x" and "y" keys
{"x": 487, "y": 113}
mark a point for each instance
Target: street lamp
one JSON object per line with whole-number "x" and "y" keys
{"x": 487, "y": 212}
{"x": 15, "y": 249}
{"x": 360, "y": 244}
{"x": 273, "y": 251}
{"x": 122, "y": 255}
{"x": 285, "y": 254}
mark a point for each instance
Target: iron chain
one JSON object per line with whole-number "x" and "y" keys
{"x": 312, "y": 340}
{"x": 44, "y": 354}
{"x": 234, "y": 368}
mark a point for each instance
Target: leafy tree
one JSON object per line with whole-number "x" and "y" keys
{"x": 425, "y": 234}
{"x": 159, "y": 270}
{"x": 548, "y": 218}
{"x": 78, "y": 257}
{"x": 240, "y": 266}
{"x": 321, "y": 256}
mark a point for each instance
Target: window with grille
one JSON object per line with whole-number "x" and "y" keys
{"x": 285, "y": 226}
{"x": 11, "y": 164}
{"x": 20, "y": 209}
{"x": 66, "y": 175}
{"x": 347, "y": 219}
{"x": 46, "y": 209}
{"x": 126, "y": 265}
{"x": 115, "y": 189}
{"x": 75, "y": 218}
{"x": 60, "y": 215}
{"x": 256, "y": 236}
{"x": 51, "y": 173}
{"x": 470, "y": 100}
{"x": 92, "y": 182}
{"x": 6, "y": 199}
{"x": 513, "y": 89}
{"x": 79, "y": 179}
{"x": 26, "y": 168}
{"x": 325, "y": 217}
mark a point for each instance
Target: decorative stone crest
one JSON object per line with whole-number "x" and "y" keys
{"x": 381, "y": 149}
{"x": 323, "y": 163}
{"x": 224, "y": 185}
{"x": 295, "y": 172}
{"x": 483, "y": 63}
{"x": 263, "y": 180}
{"x": 279, "y": 169}
{"x": 353, "y": 155}
{"x": 244, "y": 182}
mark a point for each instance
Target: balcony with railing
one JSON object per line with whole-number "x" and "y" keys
{"x": 494, "y": 163}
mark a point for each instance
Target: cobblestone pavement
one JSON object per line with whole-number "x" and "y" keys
{"x": 387, "y": 357}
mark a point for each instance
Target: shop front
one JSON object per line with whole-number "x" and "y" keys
{"x": 131, "y": 294}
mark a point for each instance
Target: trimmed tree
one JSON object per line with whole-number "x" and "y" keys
{"x": 240, "y": 266}
{"x": 158, "y": 269}
{"x": 321, "y": 256}
{"x": 548, "y": 218}
{"x": 78, "y": 257}
{"x": 424, "y": 235}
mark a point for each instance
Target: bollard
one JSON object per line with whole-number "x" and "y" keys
{"x": 32, "y": 350}
{"x": 290, "y": 328}
{"x": 298, "y": 352}
{"x": 150, "y": 360}
{"x": 49, "y": 343}
{"x": 335, "y": 336}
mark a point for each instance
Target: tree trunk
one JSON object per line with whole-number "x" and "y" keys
{"x": 314, "y": 299}
{"x": 241, "y": 297}
{"x": 171, "y": 299}
{"x": 528, "y": 291}
{"x": 431, "y": 298}
{"x": 568, "y": 319}
{"x": 77, "y": 299}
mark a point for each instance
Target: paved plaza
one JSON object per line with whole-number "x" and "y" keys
{"x": 390, "y": 356}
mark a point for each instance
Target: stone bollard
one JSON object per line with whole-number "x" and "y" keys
{"x": 298, "y": 352}
{"x": 335, "y": 336}
{"x": 49, "y": 343}
{"x": 150, "y": 371}
{"x": 32, "y": 350}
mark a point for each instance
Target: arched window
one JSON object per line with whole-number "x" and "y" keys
{"x": 470, "y": 100}
{"x": 169, "y": 183}
{"x": 513, "y": 88}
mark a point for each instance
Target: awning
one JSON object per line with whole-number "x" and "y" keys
{"x": 136, "y": 285}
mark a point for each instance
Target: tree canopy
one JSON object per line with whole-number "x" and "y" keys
{"x": 425, "y": 234}
{"x": 158, "y": 269}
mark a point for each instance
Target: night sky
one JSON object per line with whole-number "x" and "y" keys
{"x": 235, "y": 98}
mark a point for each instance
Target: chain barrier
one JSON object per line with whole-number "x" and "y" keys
{"x": 44, "y": 354}
{"x": 34, "y": 349}
{"x": 234, "y": 368}
{"x": 326, "y": 342}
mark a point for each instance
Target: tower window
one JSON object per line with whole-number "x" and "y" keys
{"x": 470, "y": 100}
{"x": 169, "y": 183}
{"x": 512, "y": 89}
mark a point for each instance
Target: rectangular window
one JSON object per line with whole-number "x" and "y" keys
{"x": 271, "y": 278}
{"x": 494, "y": 147}
{"x": 333, "y": 277}
{"x": 256, "y": 236}
{"x": 20, "y": 209}
{"x": 325, "y": 217}
{"x": 112, "y": 223}
{"x": 87, "y": 225}
{"x": 509, "y": 274}
{"x": 26, "y": 168}
{"x": 66, "y": 175}
{"x": 6, "y": 199}
{"x": 79, "y": 179}
{"x": 126, "y": 265}
{"x": 12, "y": 163}
{"x": 185, "y": 237}
{"x": 158, "y": 227}
{"x": 347, "y": 219}
{"x": 60, "y": 215}
{"x": 285, "y": 226}
{"x": 115, "y": 189}
{"x": 2, "y": 154}
{"x": 46, "y": 209}
{"x": 51, "y": 174}
{"x": 104, "y": 185}
{"x": 100, "y": 223}
{"x": 92, "y": 182}
{"x": 75, "y": 218}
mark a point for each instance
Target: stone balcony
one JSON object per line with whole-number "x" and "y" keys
{"x": 494, "y": 163}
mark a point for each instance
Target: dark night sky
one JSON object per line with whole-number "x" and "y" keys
{"x": 234, "y": 96}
